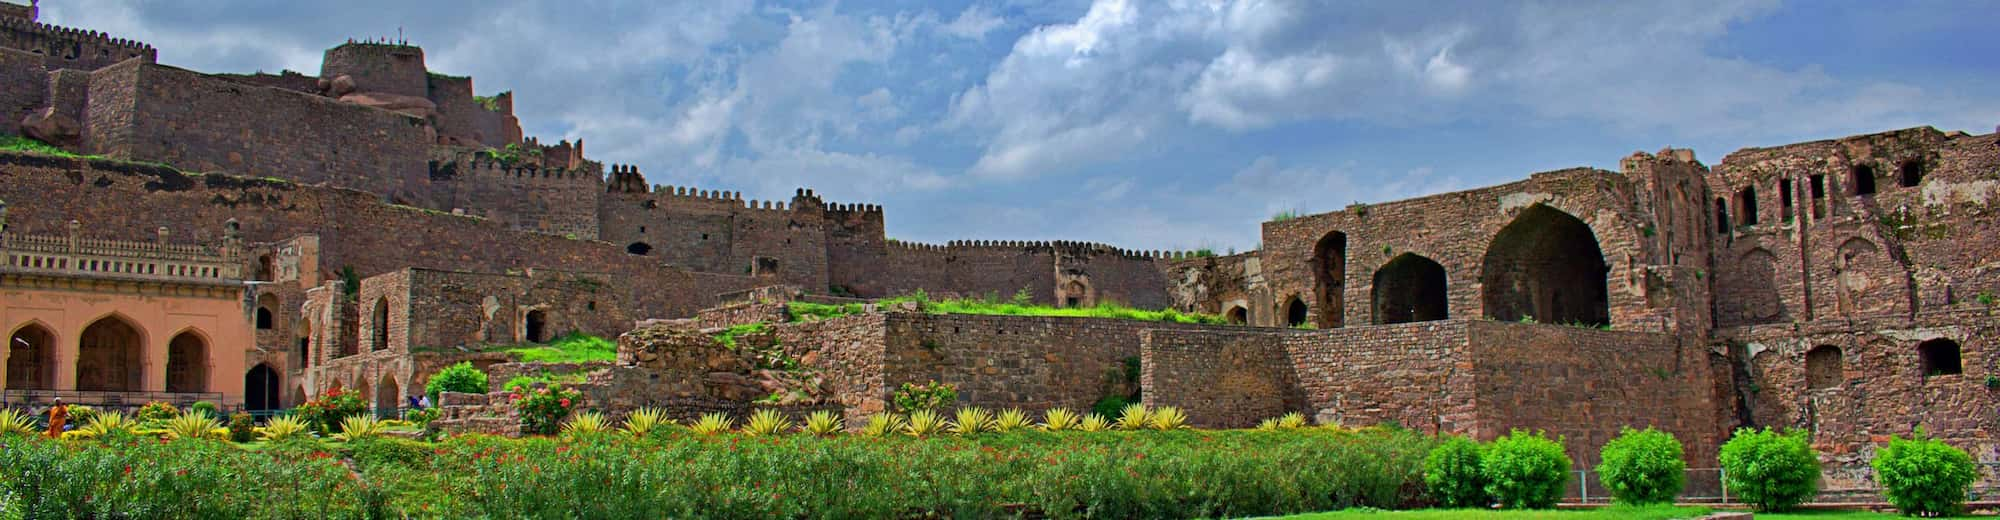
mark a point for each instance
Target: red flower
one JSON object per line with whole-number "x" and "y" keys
{"x": 565, "y": 402}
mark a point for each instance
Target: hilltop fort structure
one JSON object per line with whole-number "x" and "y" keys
{"x": 364, "y": 226}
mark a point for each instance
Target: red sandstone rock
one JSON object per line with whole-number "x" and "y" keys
{"x": 51, "y": 127}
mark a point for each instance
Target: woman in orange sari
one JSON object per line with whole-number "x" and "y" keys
{"x": 58, "y": 415}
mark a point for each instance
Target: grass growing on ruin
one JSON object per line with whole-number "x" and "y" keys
{"x": 576, "y": 347}
{"x": 15, "y": 143}
{"x": 807, "y": 311}
{"x": 728, "y": 336}
{"x": 1657, "y": 512}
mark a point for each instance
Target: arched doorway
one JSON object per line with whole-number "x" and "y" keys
{"x": 267, "y": 311}
{"x": 639, "y": 248}
{"x": 535, "y": 327}
{"x": 1329, "y": 268}
{"x": 264, "y": 270}
{"x": 1546, "y": 266}
{"x": 1075, "y": 294}
{"x": 1409, "y": 288}
{"x": 31, "y": 358}
{"x": 302, "y": 357}
{"x": 260, "y": 388}
{"x": 110, "y": 356}
{"x": 187, "y": 363}
{"x": 379, "y": 338}
{"x": 1238, "y": 315}
{"x": 1295, "y": 312}
{"x": 1823, "y": 367}
{"x": 387, "y": 397}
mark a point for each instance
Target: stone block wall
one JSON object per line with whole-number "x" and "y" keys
{"x": 24, "y": 88}
{"x": 67, "y": 48}
{"x": 552, "y": 201}
{"x": 471, "y": 310}
{"x": 1418, "y": 375}
{"x": 850, "y": 353}
{"x": 1220, "y": 378}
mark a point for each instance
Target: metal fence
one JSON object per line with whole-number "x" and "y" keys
{"x": 1704, "y": 486}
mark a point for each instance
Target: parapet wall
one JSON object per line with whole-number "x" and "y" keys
{"x": 66, "y": 48}
{"x": 555, "y": 201}
{"x": 24, "y": 87}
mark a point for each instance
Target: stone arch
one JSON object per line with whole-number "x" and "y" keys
{"x": 1329, "y": 269}
{"x": 1823, "y": 367}
{"x": 265, "y": 272}
{"x": 187, "y": 362}
{"x": 31, "y": 357}
{"x": 1863, "y": 179}
{"x": 387, "y": 396}
{"x": 535, "y": 326}
{"x": 1076, "y": 294}
{"x": 1295, "y": 312}
{"x": 267, "y": 311}
{"x": 1546, "y": 265}
{"x": 1910, "y": 173}
{"x": 1940, "y": 357}
{"x": 1237, "y": 314}
{"x": 303, "y": 356}
{"x": 378, "y": 338}
{"x": 1410, "y": 288}
{"x": 1756, "y": 272}
{"x": 111, "y": 355}
{"x": 1746, "y": 202}
{"x": 639, "y": 248}
{"x": 260, "y": 388}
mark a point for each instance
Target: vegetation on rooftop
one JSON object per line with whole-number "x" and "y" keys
{"x": 1020, "y": 305}
{"x": 575, "y": 347}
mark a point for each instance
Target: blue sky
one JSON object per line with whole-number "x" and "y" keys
{"x": 1149, "y": 125}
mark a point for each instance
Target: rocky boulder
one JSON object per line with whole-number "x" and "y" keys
{"x": 52, "y": 127}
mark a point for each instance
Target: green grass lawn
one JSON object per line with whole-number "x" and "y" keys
{"x": 1606, "y": 513}
{"x": 573, "y": 348}
{"x": 805, "y": 311}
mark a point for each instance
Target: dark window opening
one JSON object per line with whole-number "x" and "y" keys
{"x": 1823, "y": 367}
{"x": 1785, "y": 199}
{"x": 1818, "y": 196}
{"x": 1912, "y": 173}
{"x": 1746, "y": 203}
{"x": 1721, "y": 216}
{"x": 1410, "y": 288}
{"x": 1295, "y": 312}
{"x": 536, "y": 327}
{"x": 380, "y": 339}
{"x": 1329, "y": 268}
{"x": 264, "y": 270}
{"x": 1072, "y": 302}
{"x": 1940, "y": 357}
{"x": 639, "y": 248}
{"x": 591, "y": 306}
{"x": 1238, "y": 315}
{"x": 263, "y": 318}
{"x": 1864, "y": 179}
{"x": 642, "y": 229}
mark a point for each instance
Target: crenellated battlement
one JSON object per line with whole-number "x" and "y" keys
{"x": 1064, "y": 246}
{"x": 70, "y": 48}
{"x": 853, "y": 208}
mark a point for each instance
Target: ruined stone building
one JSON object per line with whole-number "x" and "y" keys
{"x": 378, "y": 220}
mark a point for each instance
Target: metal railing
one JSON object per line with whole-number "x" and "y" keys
{"x": 104, "y": 399}
{"x": 1705, "y": 486}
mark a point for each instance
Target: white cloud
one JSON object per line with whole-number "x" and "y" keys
{"x": 973, "y": 23}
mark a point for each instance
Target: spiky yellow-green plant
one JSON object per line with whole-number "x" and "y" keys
{"x": 823, "y": 423}
{"x": 584, "y": 423}
{"x": 1267, "y": 425}
{"x": 1292, "y": 421}
{"x": 106, "y": 422}
{"x": 644, "y": 420}
{"x": 1059, "y": 419}
{"x": 15, "y": 423}
{"x": 357, "y": 427}
{"x": 925, "y": 423}
{"x": 768, "y": 421}
{"x": 882, "y": 424}
{"x": 1135, "y": 416}
{"x": 281, "y": 428}
{"x": 713, "y": 423}
{"x": 1093, "y": 423}
{"x": 970, "y": 420}
{"x": 1010, "y": 420}
{"x": 1169, "y": 418}
{"x": 195, "y": 424}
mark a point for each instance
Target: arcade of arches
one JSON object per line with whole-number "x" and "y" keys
{"x": 137, "y": 341}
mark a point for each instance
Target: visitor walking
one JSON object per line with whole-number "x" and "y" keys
{"x": 58, "y": 414}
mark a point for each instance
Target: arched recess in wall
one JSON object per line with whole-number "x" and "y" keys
{"x": 639, "y": 248}
{"x": 31, "y": 358}
{"x": 1940, "y": 357}
{"x": 1329, "y": 268}
{"x": 1546, "y": 266}
{"x": 1409, "y": 288}
{"x": 187, "y": 363}
{"x": 302, "y": 356}
{"x": 1076, "y": 294}
{"x": 1237, "y": 315}
{"x": 1823, "y": 368}
{"x": 534, "y": 328}
{"x": 260, "y": 388}
{"x": 267, "y": 311}
{"x": 1295, "y": 312}
{"x": 1862, "y": 180}
{"x": 1757, "y": 300}
{"x": 265, "y": 271}
{"x": 298, "y": 395}
{"x": 387, "y": 397}
{"x": 378, "y": 338}
{"x": 110, "y": 356}
{"x": 1911, "y": 173}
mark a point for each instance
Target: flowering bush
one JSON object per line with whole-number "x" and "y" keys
{"x": 242, "y": 427}
{"x": 933, "y": 396}
{"x": 543, "y": 410}
{"x": 158, "y": 411}
{"x": 324, "y": 413}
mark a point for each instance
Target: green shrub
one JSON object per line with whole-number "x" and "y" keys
{"x": 1770, "y": 470}
{"x": 1110, "y": 405}
{"x": 1525, "y": 470}
{"x": 543, "y": 410}
{"x": 933, "y": 396}
{"x": 205, "y": 407}
{"x": 324, "y": 413}
{"x": 1453, "y": 475}
{"x": 80, "y": 414}
{"x": 242, "y": 427}
{"x": 1923, "y": 476}
{"x": 158, "y": 412}
{"x": 459, "y": 377}
{"x": 1643, "y": 467}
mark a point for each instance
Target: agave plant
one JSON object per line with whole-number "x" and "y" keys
{"x": 104, "y": 423}
{"x": 357, "y": 427}
{"x": 1135, "y": 416}
{"x": 1059, "y": 419}
{"x": 16, "y": 423}
{"x": 883, "y": 424}
{"x": 584, "y": 423}
{"x": 925, "y": 423}
{"x": 1267, "y": 425}
{"x": 196, "y": 424}
{"x": 970, "y": 420}
{"x": 281, "y": 428}
{"x": 1292, "y": 421}
{"x": 644, "y": 420}
{"x": 713, "y": 423}
{"x": 1093, "y": 423}
{"x": 824, "y": 423}
{"x": 1010, "y": 420}
{"x": 1169, "y": 418}
{"x": 768, "y": 421}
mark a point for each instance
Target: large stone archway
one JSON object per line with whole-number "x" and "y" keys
{"x": 1410, "y": 288}
{"x": 187, "y": 363}
{"x": 1546, "y": 266}
{"x": 1329, "y": 269}
{"x": 260, "y": 388}
{"x": 31, "y": 358}
{"x": 110, "y": 356}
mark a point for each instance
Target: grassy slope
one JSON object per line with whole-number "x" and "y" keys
{"x": 573, "y": 348}
{"x": 803, "y": 311}
{"x": 1607, "y": 513}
